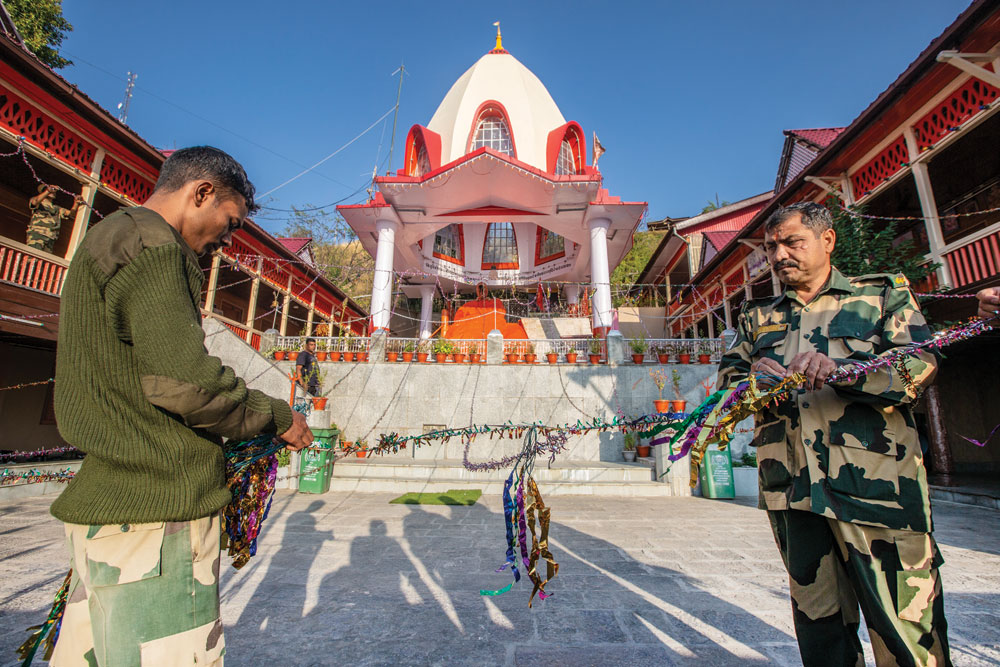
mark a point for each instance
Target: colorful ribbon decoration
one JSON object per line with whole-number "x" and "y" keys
{"x": 520, "y": 518}
{"x": 48, "y": 631}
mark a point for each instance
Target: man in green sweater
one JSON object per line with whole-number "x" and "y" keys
{"x": 138, "y": 392}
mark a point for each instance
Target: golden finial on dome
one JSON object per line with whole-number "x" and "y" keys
{"x": 499, "y": 46}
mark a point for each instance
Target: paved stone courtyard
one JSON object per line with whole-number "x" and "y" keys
{"x": 346, "y": 578}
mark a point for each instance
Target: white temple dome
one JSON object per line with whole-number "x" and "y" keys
{"x": 530, "y": 111}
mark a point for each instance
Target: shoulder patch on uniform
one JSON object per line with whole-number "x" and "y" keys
{"x": 894, "y": 279}
{"x": 769, "y": 328}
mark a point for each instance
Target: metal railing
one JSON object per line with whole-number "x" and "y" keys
{"x": 34, "y": 269}
{"x": 352, "y": 344}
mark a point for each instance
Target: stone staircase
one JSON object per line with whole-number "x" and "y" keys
{"x": 597, "y": 478}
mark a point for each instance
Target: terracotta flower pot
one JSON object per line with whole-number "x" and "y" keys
{"x": 334, "y": 356}
{"x": 474, "y": 358}
{"x": 422, "y": 357}
{"x": 662, "y": 406}
{"x": 678, "y": 406}
{"x": 684, "y": 358}
{"x": 552, "y": 357}
{"x": 319, "y": 402}
{"x": 638, "y": 358}
{"x": 346, "y": 445}
{"x": 407, "y": 356}
{"x": 321, "y": 356}
{"x": 392, "y": 356}
{"x": 530, "y": 358}
{"x": 512, "y": 358}
{"x": 571, "y": 357}
{"x": 459, "y": 358}
{"x": 362, "y": 356}
{"x": 642, "y": 450}
{"x": 704, "y": 358}
{"x": 360, "y": 453}
{"x": 440, "y": 357}
{"x": 663, "y": 358}
{"x": 279, "y": 355}
{"x": 595, "y": 358}
{"x": 348, "y": 356}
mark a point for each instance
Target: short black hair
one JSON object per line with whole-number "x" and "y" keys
{"x": 210, "y": 164}
{"x": 310, "y": 340}
{"x": 814, "y": 216}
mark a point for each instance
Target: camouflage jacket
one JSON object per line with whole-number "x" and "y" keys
{"x": 848, "y": 451}
{"x": 46, "y": 219}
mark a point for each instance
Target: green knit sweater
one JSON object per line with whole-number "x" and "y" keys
{"x": 136, "y": 390}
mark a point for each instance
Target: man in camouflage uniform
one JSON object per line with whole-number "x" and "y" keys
{"x": 840, "y": 466}
{"x": 46, "y": 218}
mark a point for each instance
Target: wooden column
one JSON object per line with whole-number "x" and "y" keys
{"x": 312, "y": 314}
{"x": 213, "y": 280}
{"x": 939, "y": 451}
{"x": 82, "y": 219}
{"x": 283, "y": 331}
{"x": 254, "y": 292}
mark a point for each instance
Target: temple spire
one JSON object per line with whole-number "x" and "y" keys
{"x": 499, "y": 46}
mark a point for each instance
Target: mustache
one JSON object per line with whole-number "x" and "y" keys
{"x": 785, "y": 264}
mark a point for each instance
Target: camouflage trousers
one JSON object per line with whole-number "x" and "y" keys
{"x": 833, "y": 566}
{"x": 143, "y": 594}
{"x": 40, "y": 238}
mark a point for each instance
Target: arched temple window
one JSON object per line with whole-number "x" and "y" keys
{"x": 548, "y": 246}
{"x": 567, "y": 160}
{"x": 449, "y": 244}
{"x": 500, "y": 247}
{"x": 492, "y": 130}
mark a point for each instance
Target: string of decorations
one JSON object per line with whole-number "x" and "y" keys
{"x": 519, "y": 518}
{"x": 28, "y": 384}
{"x": 36, "y": 453}
{"x": 910, "y": 218}
{"x": 34, "y": 476}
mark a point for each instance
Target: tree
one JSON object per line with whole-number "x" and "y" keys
{"x": 42, "y": 27}
{"x": 865, "y": 245}
{"x": 339, "y": 254}
{"x": 626, "y": 273}
{"x": 713, "y": 205}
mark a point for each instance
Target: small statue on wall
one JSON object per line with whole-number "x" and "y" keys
{"x": 47, "y": 217}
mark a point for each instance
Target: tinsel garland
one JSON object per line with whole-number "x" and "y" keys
{"x": 48, "y": 632}
{"x": 34, "y": 476}
{"x": 519, "y": 518}
{"x": 4, "y": 456}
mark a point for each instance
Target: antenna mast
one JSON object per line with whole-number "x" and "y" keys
{"x": 399, "y": 92}
{"x": 123, "y": 105}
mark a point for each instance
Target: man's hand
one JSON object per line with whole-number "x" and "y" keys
{"x": 989, "y": 302}
{"x": 815, "y": 366}
{"x": 298, "y": 436}
{"x": 770, "y": 367}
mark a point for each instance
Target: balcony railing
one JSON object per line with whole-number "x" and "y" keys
{"x": 251, "y": 336}
{"x": 30, "y": 268}
{"x": 974, "y": 258}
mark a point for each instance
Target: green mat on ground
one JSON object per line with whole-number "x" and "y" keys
{"x": 452, "y": 497}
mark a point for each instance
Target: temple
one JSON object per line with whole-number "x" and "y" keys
{"x": 495, "y": 192}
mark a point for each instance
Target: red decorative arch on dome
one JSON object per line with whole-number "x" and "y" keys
{"x": 420, "y": 137}
{"x": 491, "y": 109}
{"x": 573, "y": 133}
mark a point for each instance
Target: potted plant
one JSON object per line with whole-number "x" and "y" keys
{"x": 660, "y": 380}
{"x": 510, "y": 351}
{"x": 662, "y": 353}
{"x": 474, "y": 353}
{"x": 683, "y": 353}
{"x": 408, "y": 351}
{"x": 638, "y": 345}
{"x": 594, "y": 350}
{"x": 641, "y": 449}
{"x": 279, "y": 354}
{"x": 571, "y": 356}
{"x": 423, "y": 349}
{"x": 284, "y": 458}
{"x": 529, "y": 355}
{"x": 391, "y": 353}
{"x": 458, "y": 353}
{"x": 628, "y": 449}
{"x": 361, "y": 448}
{"x": 679, "y": 404}
{"x": 442, "y": 348}
{"x": 704, "y": 352}
{"x": 321, "y": 350}
{"x": 552, "y": 357}
{"x": 319, "y": 402}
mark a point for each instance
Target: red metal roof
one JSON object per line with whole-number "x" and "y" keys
{"x": 295, "y": 244}
{"x": 820, "y": 137}
{"x": 720, "y": 238}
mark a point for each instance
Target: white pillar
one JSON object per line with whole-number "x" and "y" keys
{"x": 382, "y": 281}
{"x": 572, "y": 293}
{"x": 925, "y": 193}
{"x": 426, "y": 310}
{"x": 600, "y": 275}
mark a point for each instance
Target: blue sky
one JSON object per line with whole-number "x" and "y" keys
{"x": 689, "y": 99}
